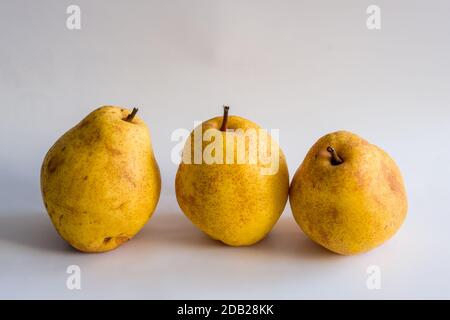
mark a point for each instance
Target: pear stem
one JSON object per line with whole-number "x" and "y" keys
{"x": 132, "y": 114}
{"x": 225, "y": 118}
{"x": 335, "y": 159}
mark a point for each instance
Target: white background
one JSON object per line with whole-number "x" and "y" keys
{"x": 304, "y": 67}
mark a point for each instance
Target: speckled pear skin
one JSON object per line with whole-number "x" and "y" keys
{"x": 352, "y": 207}
{"x": 232, "y": 203}
{"x": 100, "y": 181}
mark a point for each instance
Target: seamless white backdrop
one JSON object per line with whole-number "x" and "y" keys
{"x": 304, "y": 67}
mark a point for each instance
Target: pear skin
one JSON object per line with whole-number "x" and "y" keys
{"x": 348, "y": 195}
{"x": 235, "y": 203}
{"x": 100, "y": 181}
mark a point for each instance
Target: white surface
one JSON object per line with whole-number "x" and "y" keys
{"x": 170, "y": 258}
{"x": 304, "y": 67}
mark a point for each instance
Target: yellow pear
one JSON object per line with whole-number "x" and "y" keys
{"x": 348, "y": 195}
{"x": 227, "y": 189}
{"x": 100, "y": 181}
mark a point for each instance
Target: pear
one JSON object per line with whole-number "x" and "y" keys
{"x": 100, "y": 181}
{"x": 348, "y": 195}
{"x": 238, "y": 197}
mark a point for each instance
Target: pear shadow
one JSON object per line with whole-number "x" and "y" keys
{"x": 174, "y": 229}
{"x": 166, "y": 229}
{"x": 286, "y": 240}
{"x": 33, "y": 230}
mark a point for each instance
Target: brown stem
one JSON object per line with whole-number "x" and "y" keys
{"x": 225, "y": 118}
{"x": 132, "y": 114}
{"x": 335, "y": 159}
